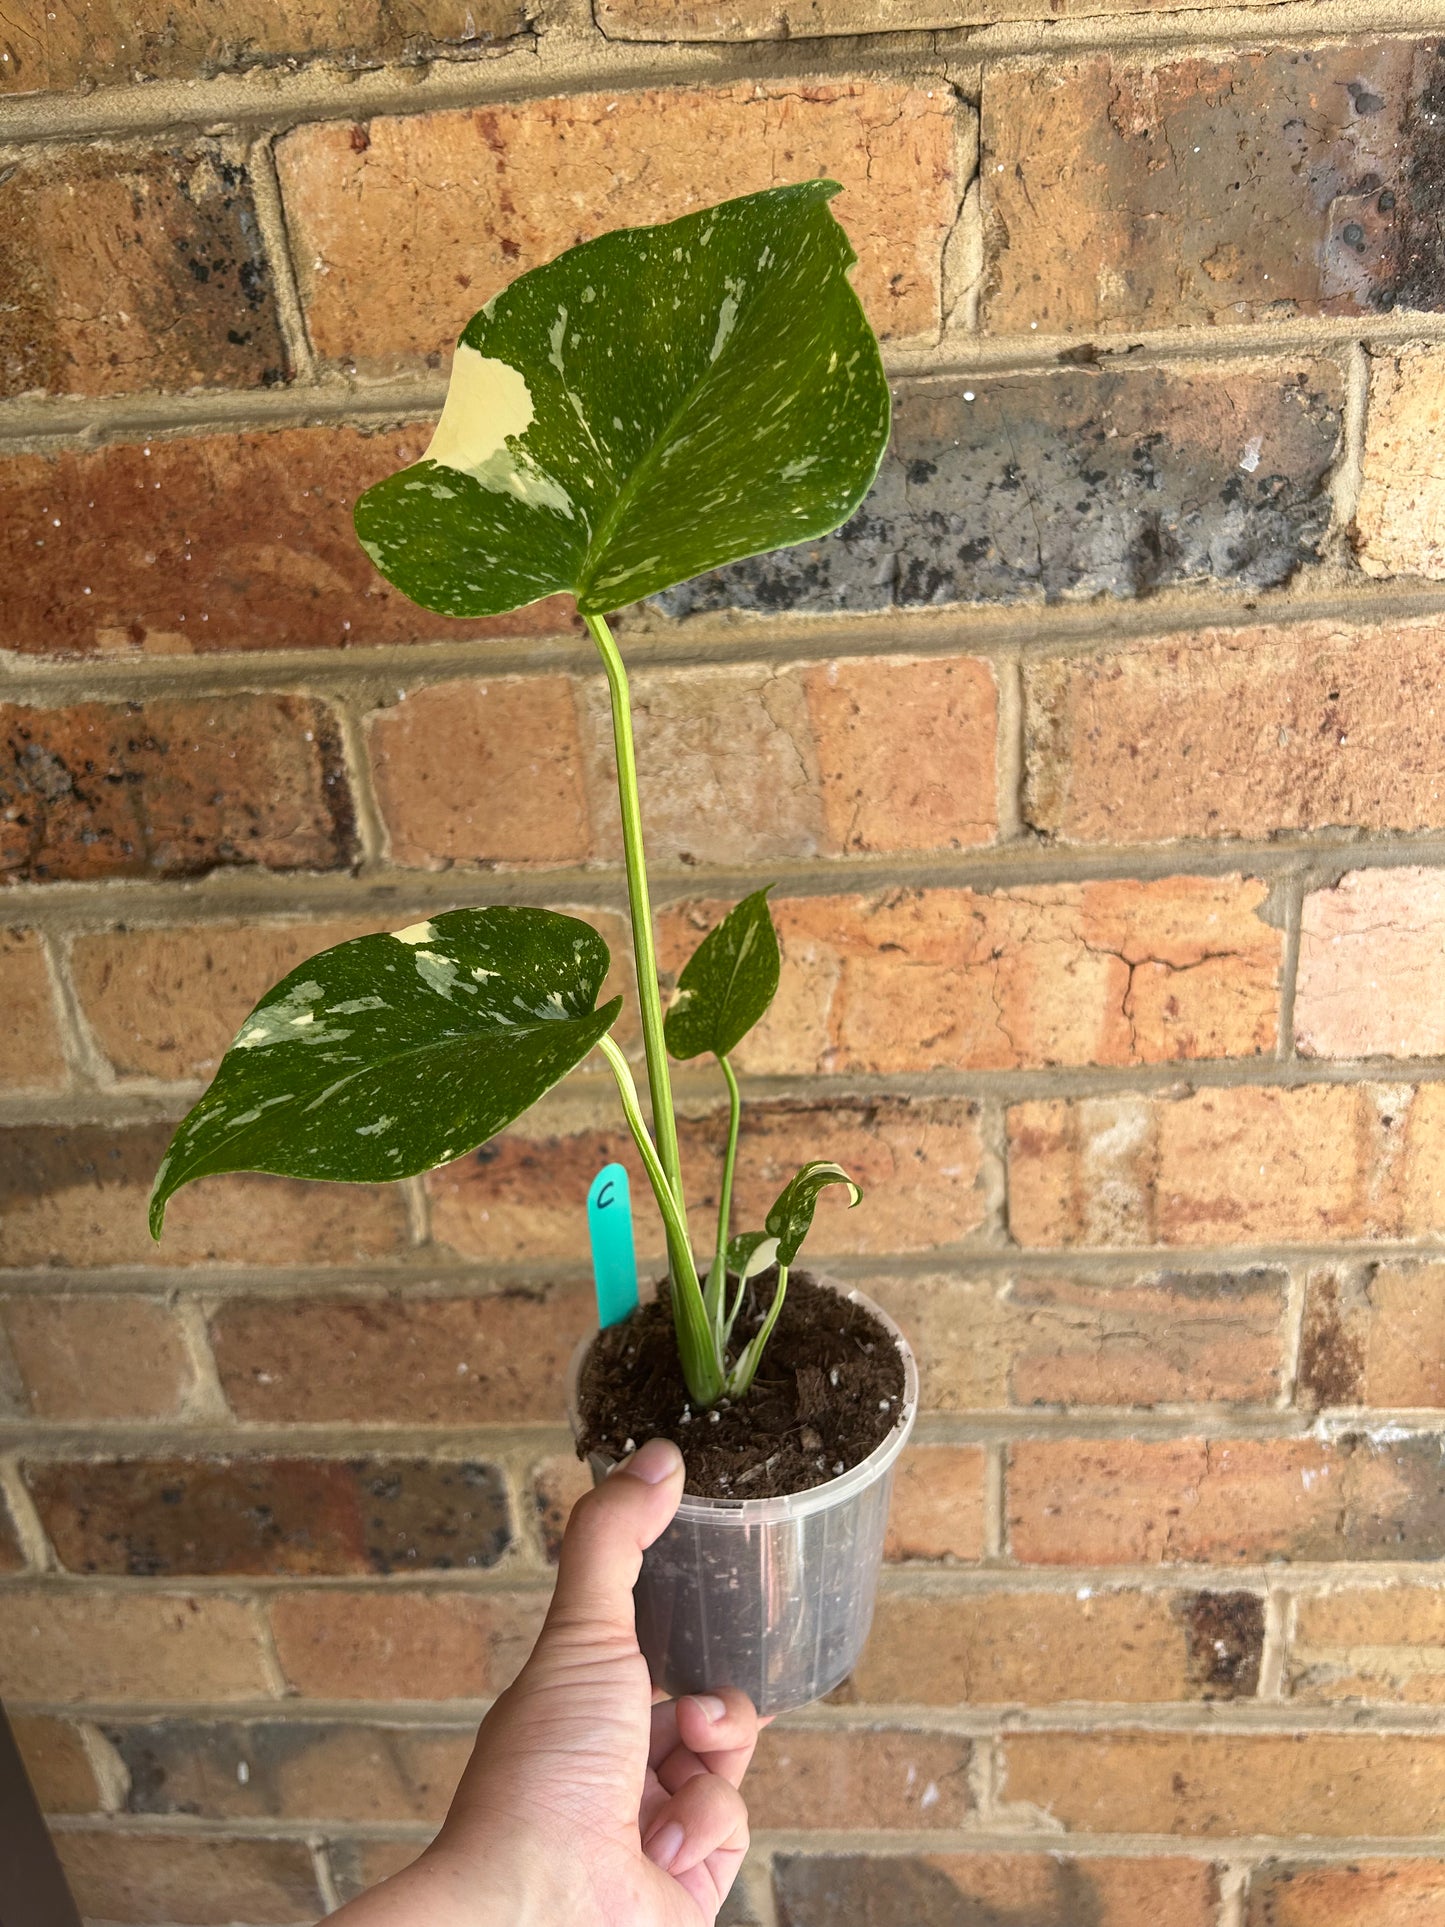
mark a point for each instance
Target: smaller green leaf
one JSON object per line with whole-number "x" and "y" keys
{"x": 791, "y": 1218}
{"x": 390, "y": 1054}
{"x": 750, "y": 1254}
{"x": 727, "y": 983}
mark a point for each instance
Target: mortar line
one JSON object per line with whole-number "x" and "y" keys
{"x": 1294, "y": 887}
{"x": 1274, "y": 1647}
{"x": 276, "y": 245}
{"x": 86, "y": 1068}
{"x": 995, "y": 1502}
{"x": 1233, "y": 1894}
{"x": 1295, "y": 1306}
{"x": 205, "y": 1402}
{"x": 756, "y": 1879}
{"x": 370, "y": 826}
{"x": 1010, "y": 752}
{"x": 1349, "y": 472}
{"x": 29, "y": 1532}
{"x": 112, "y": 1776}
{"x": 324, "y": 1873}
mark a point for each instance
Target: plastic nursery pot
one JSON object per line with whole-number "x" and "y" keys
{"x": 774, "y": 1596}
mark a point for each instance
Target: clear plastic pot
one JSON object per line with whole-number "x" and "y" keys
{"x": 771, "y": 1595}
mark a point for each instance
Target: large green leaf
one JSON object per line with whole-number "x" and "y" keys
{"x": 791, "y": 1218}
{"x": 390, "y": 1054}
{"x": 727, "y": 983}
{"x": 647, "y": 406}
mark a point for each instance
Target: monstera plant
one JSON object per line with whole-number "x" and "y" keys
{"x": 649, "y": 405}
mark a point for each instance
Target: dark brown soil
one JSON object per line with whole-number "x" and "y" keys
{"x": 828, "y": 1392}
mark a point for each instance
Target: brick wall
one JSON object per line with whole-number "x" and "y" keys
{"x": 1101, "y": 764}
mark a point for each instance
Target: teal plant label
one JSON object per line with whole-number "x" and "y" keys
{"x": 614, "y": 1253}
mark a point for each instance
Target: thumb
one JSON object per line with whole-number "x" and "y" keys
{"x": 607, "y": 1534}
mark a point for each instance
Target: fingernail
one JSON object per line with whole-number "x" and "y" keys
{"x": 654, "y": 1462}
{"x": 713, "y": 1708}
{"x": 665, "y": 1845}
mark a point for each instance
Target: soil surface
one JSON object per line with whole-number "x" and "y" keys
{"x": 828, "y": 1392}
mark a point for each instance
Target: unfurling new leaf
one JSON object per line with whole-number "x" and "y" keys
{"x": 387, "y": 1055}
{"x": 791, "y": 1218}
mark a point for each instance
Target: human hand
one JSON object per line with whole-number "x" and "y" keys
{"x": 584, "y": 1804}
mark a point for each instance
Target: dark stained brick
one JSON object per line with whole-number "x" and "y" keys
{"x": 1069, "y": 484}
{"x": 1225, "y": 1632}
{"x": 129, "y": 268}
{"x": 155, "y": 1517}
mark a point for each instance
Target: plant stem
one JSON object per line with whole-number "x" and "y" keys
{"x": 649, "y": 998}
{"x": 702, "y": 1366}
{"x": 745, "y": 1370}
{"x": 717, "y": 1281}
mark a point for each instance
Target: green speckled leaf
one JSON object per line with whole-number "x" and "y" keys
{"x": 791, "y": 1218}
{"x": 649, "y": 405}
{"x": 727, "y": 983}
{"x": 390, "y": 1054}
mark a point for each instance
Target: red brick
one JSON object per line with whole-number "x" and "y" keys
{"x": 1202, "y": 192}
{"x": 58, "y": 1765}
{"x": 179, "y": 39}
{"x": 172, "y": 789}
{"x": 906, "y": 751}
{"x": 938, "y": 1504}
{"x": 1367, "y": 1893}
{"x": 191, "y": 545}
{"x": 1374, "y": 1336}
{"x": 384, "y": 1645}
{"x": 1091, "y": 973}
{"x": 80, "y": 1644}
{"x": 77, "y": 1197}
{"x": 96, "y": 1357}
{"x": 152, "y": 1878}
{"x": 1111, "y": 1502}
{"x": 1369, "y": 958}
{"x": 920, "y": 1165}
{"x": 153, "y": 1517}
{"x": 31, "y": 1056}
{"x": 1311, "y": 1164}
{"x": 513, "y": 742}
{"x": 1398, "y": 527}
{"x": 499, "y": 1359}
{"x": 880, "y": 1779}
{"x": 948, "y": 1890}
{"x": 404, "y": 228}
{"x": 295, "y": 1770}
{"x": 167, "y": 1003}
{"x": 1043, "y": 1648}
{"x": 1239, "y": 732}
{"x": 557, "y": 1484}
{"x": 135, "y": 268}
{"x": 1370, "y": 1643}
{"x": 1315, "y": 1784}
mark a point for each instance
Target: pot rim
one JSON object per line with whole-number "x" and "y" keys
{"x": 697, "y": 1510}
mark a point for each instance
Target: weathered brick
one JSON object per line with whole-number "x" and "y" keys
{"x": 938, "y": 1504}
{"x": 483, "y": 772}
{"x": 1239, "y": 732}
{"x": 993, "y": 1890}
{"x": 1072, "y": 483}
{"x": 154, "y": 1517}
{"x": 1041, "y": 1648}
{"x": 498, "y": 1359}
{"x": 95, "y": 1357}
{"x": 1373, "y": 1336}
{"x": 404, "y": 227}
{"x": 293, "y": 1770}
{"x": 140, "y": 1879}
{"x": 920, "y": 1165}
{"x": 77, "y": 1197}
{"x": 817, "y": 19}
{"x": 557, "y": 1484}
{"x": 407, "y": 1646}
{"x": 57, "y": 1763}
{"x": 360, "y": 1865}
{"x": 1398, "y": 520}
{"x": 12, "y": 1554}
{"x": 134, "y": 268}
{"x": 1309, "y": 1164}
{"x": 1257, "y": 186}
{"x": 880, "y": 1779}
{"x": 172, "y": 789}
{"x": 190, "y": 545}
{"x": 1365, "y": 1893}
{"x": 31, "y": 1056}
{"x": 1368, "y": 964}
{"x": 1114, "y": 972}
{"x": 1314, "y": 1784}
{"x": 77, "y": 46}
{"x": 78, "y": 1644}
{"x": 1111, "y": 1502}
{"x": 1370, "y": 1643}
